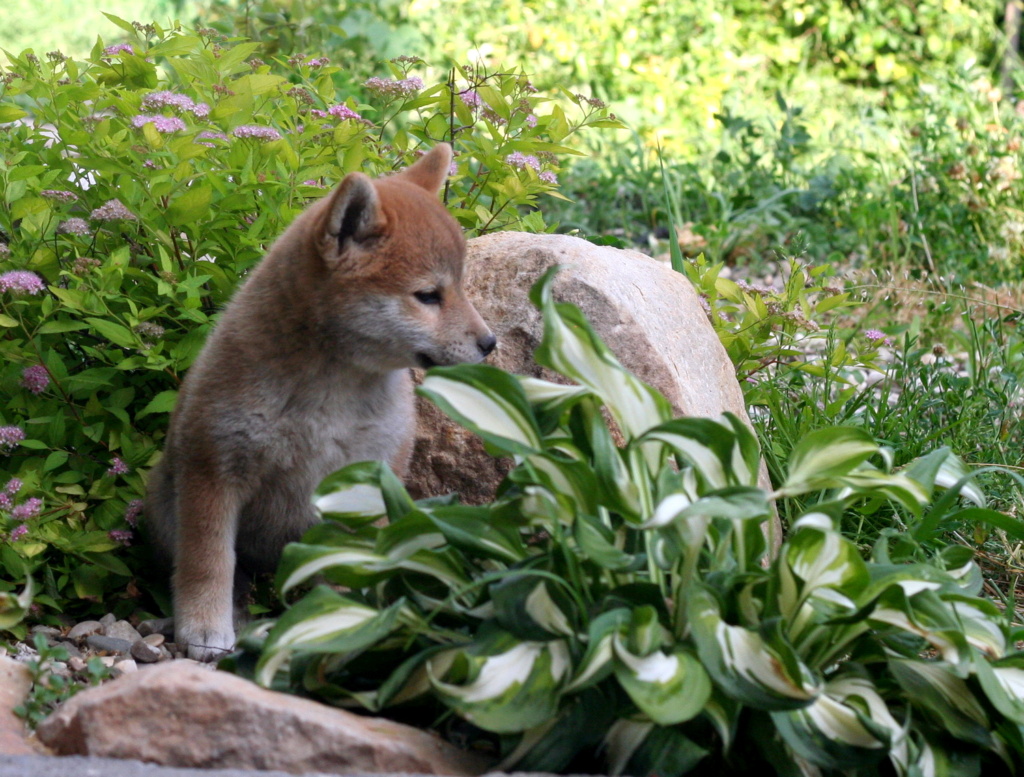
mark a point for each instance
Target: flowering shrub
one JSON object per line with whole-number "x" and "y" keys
{"x": 136, "y": 188}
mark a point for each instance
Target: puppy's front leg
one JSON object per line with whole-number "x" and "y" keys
{"x": 204, "y": 568}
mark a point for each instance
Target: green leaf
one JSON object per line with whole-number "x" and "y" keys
{"x": 762, "y": 675}
{"x": 9, "y": 113}
{"x": 511, "y": 686}
{"x": 572, "y": 348}
{"x": 114, "y": 332}
{"x": 826, "y": 454}
{"x": 13, "y": 608}
{"x": 669, "y": 688}
{"x": 191, "y": 205}
{"x": 323, "y": 621}
{"x": 531, "y": 608}
{"x": 489, "y": 402}
{"x": 162, "y": 403}
{"x": 848, "y": 726}
{"x": 471, "y": 529}
{"x": 934, "y": 689}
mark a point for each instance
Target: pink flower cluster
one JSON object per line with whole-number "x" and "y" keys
{"x": 30, "y": 508}
{"x": 132, "y": 512}
{"x": 21, "y": 282}
{"x": 204, "y": 138}
{"x": 118, "y": 467}
{"x": 10, "y": 436}
{"x": 521, "y": 161}
{"x": 112, "y": 210}
{"x": 389, "y": 87}
{"x": 58, "y": 194}
{"x": 181, "y": 103}
{"x": 124, "y": 536}
{"x": 164, "y": 124}
{"x": 7, "y": 495}
{"x": 18, "y": 532}
{"x": 256, "y": 132}
{"x": 118, "y": 48}
{"x": 35, "y": 378}
{"x": 74, "y": 226}
{"x": 875, "y": 336}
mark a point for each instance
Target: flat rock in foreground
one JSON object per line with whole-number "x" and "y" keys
{"x": 181, "y": 714}
{"x": 15, "y": 682}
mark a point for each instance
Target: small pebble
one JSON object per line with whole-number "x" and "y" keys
{"x": 122, "y": 630}
{"x": 71, "y": 647}
{"x": 77, "y": 664}
{"x": 156, "y": 640}
{"x": 124, "y": 667}
{"x": 108, "y": 644}
{"x": 85, "y": 629}
{"x": 107, "y": 619}
{"x": 47, "y": 631}
{"x": 163, "y": 626}
{"x": 144, "y": 652}
{"x": 107, "y": 661}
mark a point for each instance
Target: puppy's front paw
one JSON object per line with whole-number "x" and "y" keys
{"x": 205, "y": 644}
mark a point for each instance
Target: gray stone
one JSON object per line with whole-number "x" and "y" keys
{"x": 648, "y": 315}
{"x": 122, "y": 630}
{"x": 47, "y": 631}
{"x": 163, "y": 626}
{"x": 107, "y": 619}
{"x": 181, "y": 714}
{"x": 146, "y": 653}
{"x": 84, "y": 629}
{"x": 156, "y": 640}
{"x": 108, "y": 644}
{"x": 71, "y": 647}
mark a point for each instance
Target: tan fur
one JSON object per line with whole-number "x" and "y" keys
{"x": 307, "y": 371}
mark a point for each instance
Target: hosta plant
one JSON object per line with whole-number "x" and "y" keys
{"x": 619, "y": 599}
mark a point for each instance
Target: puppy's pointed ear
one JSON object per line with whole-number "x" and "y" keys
{"x": 431, "y": 170}
{"x": 354, "y": 221}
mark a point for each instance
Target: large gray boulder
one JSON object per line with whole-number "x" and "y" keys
{"x": 648, "y": 315}
{"x": 182, "y": 714}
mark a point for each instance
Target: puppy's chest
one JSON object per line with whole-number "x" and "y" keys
{"x": 323, "y": 433}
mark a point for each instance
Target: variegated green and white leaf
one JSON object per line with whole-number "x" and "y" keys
{"x": 712, "y": 447}
{"x": 14, "y": 607}
{"x": 300, "y": 563}
{"x": 669, "y": 688}
{"x": 571, "y": 348}
{"x": 532, "y": 606}
{"x": 489, "y": 402}
{"x": 848, "y": 726}
{"x": 512, "y": 690}
{"x": 822, "y": 558}
{"x": 824, "y": 455}
{"x": 916, "y": 608}
{"x": 323, "y": 621}
{"x": 934, "y": 688}
{"x": 762, "y": 675}
{"x": 362, "y": 493}
{"x": 622, "y": 740}
{"x": 1003, "y": 683}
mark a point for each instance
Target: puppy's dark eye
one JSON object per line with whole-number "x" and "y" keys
{"x": 431, "y": 297}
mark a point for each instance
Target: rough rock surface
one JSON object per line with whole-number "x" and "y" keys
{"x": 214, "y": 719}
{"x": 648, "y": 315}
{"x": 15, "y": 682}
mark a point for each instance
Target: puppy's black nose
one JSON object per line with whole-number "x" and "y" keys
{"x": 486, "y": 343}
